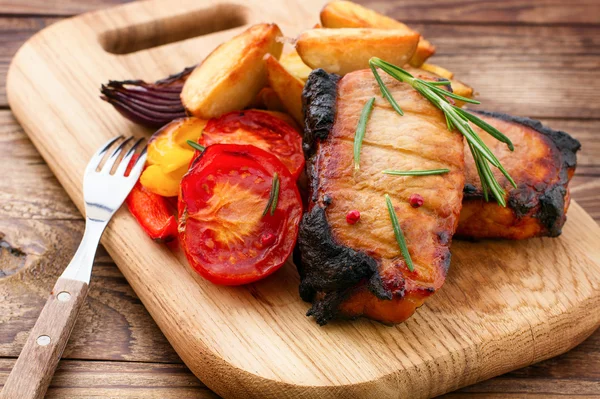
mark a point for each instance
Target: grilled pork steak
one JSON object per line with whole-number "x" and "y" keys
{"x": 542, "y": 165}
{"x": 350, "y": 270}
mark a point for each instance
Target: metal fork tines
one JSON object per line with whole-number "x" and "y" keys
{"x": 105, "y": 188}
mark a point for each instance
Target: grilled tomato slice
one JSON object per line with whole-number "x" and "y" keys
{"x": 222, "y": 200}
{"x": 262, "y": 130}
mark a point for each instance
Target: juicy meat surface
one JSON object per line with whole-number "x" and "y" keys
{"x": 542, "y": 165}
{"x": 351, "y": 270}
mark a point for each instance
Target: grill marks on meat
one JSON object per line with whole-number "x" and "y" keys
{"x": 358, "y": 270}
{"x": 542, "y": 165}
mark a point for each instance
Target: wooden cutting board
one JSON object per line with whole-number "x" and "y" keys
{"x": 505, "y": 304}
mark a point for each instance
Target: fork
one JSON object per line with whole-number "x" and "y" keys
{"x": 103, "y": 193}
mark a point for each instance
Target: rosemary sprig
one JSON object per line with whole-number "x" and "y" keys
{"x": 273, "y": 196}
{"x": 384, "y": 90}
{"x": 361, "y": 130}
{"x": 398, "y": 233}
{"x": 195, "y": 145}
{"x": 456, "y": 118}
{"x": 415, "y": 172}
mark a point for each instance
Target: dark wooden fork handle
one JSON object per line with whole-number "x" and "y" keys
{"x": 35, "y": 366}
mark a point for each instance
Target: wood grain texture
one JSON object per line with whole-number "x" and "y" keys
{"x": 40, "y": 229}
{"x": 586, "y": 189}
{"x": 113, "y": 324}
{"x": 13, "y": 32}
{"x": 490, "y": 11}
{"x": 448, "y": 11}
{"x": 62, "y": 8}
{"x": 75, "y": 379}
{"x": 46, "y": 342}
{"x": 455, "y": 340}
{"x": 531, "y": 71}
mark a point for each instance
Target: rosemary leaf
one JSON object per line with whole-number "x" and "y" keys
{"x": 491, "y": 130}
{"x": 398, "y": 233}
{"x": 459, "y": 119}
{"x": 448, "y": 123}
{"x": 385, "y": 92}
{"x": 450, "y": 94}
{"x": 273, "y": 196}
{"x": 415, "y": 172}
{"x": 195, "y": 145}
{"x": 361, "y": 130}
{"x": 479, "y": 166}
{"x": 444, "y": 82}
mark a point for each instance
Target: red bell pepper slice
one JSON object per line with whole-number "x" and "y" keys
{"x": 151, "y": 211}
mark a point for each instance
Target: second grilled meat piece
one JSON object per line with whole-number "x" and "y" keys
{"x": 542, "y": 165}
{"x": 350, "y": 270}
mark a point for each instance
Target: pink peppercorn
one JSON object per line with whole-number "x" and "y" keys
{"x": 415, "y": 200}
{"x": 267, "y": 239}
{"x": 353, "y": 216}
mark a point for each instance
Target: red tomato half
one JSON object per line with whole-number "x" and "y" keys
{"x": 222, "y": 229}
{"x": 260, "y": 129}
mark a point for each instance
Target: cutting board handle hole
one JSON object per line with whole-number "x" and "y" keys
{"x": 172, "y": 29}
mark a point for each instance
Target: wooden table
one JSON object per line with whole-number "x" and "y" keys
{"x": 547, "y": 52}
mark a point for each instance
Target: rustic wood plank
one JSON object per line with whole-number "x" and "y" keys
{"x": 490, "y": 11}
{"x": 449, "y": 11}
{"x": 586, "y": 191}
{"x": 39, "y": 232}
{"x": 13, "y": 33}
{"x": 63, "y": 7}
{"x": 530, "y": 71}
{"x": 573, "y": 374}
{"x": 113, "y": 324}
{"x": 86, "y": 379}
{"x": 30, "y": 190}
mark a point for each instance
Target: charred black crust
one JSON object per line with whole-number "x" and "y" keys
{"x": 549, "y": 201}
{"x": 328, "y": 267}
{"x": 318, "y": 102}
{"x": 329, "y": 271}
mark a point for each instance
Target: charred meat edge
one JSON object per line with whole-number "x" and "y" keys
{"x": 524, "y": 198}
{"x": 336, "y": 269}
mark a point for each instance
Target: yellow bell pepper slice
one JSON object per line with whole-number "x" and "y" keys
{"x": 169, "y": 155}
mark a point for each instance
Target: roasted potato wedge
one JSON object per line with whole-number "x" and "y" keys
{"x": 438, "y": 70}
{"x": 287, "y": 86}
{"x": 294, "y": 65}
{"x": 346, "y": 14}
{"x": 233, "y": 74}
{"x": 424, "y": 50}
{"x": 345, "y": 50}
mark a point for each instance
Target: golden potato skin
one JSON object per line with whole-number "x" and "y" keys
{"x": 342, "y": 51}
{"x": 287, "y": 87}
{"x": 542, "y": 165}
{"x": 233, "y": 74}
{"x": 350, "y": 270}
{"x": 438, "y": 70}
{"x": 346, "y": 14}
{"x": 293, "y": 64}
